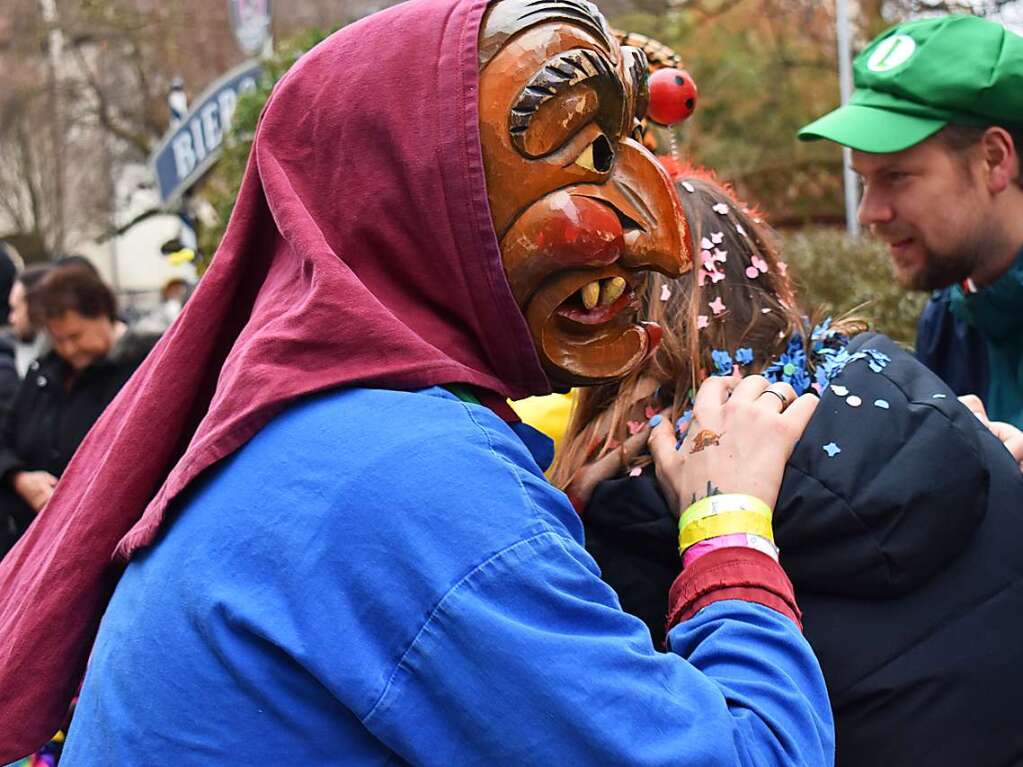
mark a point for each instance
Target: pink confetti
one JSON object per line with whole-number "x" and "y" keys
{"x": 760, "y": 264}
{"x": 706, "y": 244}
{"x": 716, "y": 276}
{"x": 635, "y": 426}
{"x": 665, "y": 292}
{"x": 717, "y": 238}
{"x": 752, "y": 273}
{"x": 702, "y": 321}
{"x": 717, "y": 306}
{"x": 783, "y": 267}
{"x": 721, "y": 209}
{"x": 720, "y": 255}
{"x": 702, "y": 278}
{"x": 635, "y": 472}
{"x": 706, "y": 257}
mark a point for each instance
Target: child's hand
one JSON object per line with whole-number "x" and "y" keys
{"x": 612, "y": 464}
{"x": 742, "y": 433}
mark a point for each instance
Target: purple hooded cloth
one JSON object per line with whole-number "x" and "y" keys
{"x": 360, "y": 252}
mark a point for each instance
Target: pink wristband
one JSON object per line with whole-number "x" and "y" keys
{"x": 745, "y": 540}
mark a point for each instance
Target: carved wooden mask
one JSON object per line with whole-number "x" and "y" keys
{"x": 580, "y": 207}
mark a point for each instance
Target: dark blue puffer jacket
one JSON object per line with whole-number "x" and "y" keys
{"x": 906, "y": 551}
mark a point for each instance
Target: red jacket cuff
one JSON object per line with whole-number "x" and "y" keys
{"x": 732, "y": 573}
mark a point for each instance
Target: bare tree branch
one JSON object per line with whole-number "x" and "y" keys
{"x": 104, "y": 111}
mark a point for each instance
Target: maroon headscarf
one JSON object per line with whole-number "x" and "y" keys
{"x": 360, "y": 252}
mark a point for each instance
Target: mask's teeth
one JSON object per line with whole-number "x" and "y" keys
{"x": 591, "y": 294}
{"x": 612, "y": 290}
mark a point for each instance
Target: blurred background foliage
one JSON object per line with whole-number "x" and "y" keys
{"x": 75, "y": 133}
{"x": 760, "y": 79}
{"x": 837, "y": 275}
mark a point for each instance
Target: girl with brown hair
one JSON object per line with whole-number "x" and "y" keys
{"x": 735, "y": 310}
{"x": 897, "y": 519}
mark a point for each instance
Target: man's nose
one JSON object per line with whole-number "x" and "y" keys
{"x": 874, "y": 209}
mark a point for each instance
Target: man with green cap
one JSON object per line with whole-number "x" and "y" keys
{"x": 936, "y": 129}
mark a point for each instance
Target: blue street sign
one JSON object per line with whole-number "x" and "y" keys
{"x": 191, "y": 147}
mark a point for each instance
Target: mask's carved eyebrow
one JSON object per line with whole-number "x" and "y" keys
{"x": 507, "y": 18}
{"x": 581, "y": 12}
{"x": 638, "y": 70}
{"x": 557, "y": 76}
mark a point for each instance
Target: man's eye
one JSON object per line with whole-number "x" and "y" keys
{"x": 598, "y": 156}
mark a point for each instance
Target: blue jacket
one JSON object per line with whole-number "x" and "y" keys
{"x": 974, "y": 342}
{"x": 384, "y": 577}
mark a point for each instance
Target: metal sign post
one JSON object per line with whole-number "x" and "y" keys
{"x": 845, "y": 84}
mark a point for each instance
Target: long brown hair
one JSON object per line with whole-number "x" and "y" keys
{"x": 738, "y": 268}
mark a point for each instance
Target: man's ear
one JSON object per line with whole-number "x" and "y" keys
{"x": 1001, "y": 159}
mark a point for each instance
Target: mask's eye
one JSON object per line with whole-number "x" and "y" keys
{"x": 598, "y": 156}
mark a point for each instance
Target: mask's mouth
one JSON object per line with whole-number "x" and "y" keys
{"x": 585, "y": 323}
{"x": 598, "y": 301}
{"x": 587, "y": 302}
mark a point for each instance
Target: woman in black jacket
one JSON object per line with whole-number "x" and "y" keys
{"x": 64, "y": 392}
{"x": 900, "y": 519}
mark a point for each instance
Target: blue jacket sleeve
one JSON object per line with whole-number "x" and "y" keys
{"x": 951, "y": 348}
{"x": 528, "y": 660}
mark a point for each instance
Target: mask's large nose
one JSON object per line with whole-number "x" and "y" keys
{"x": 654, "y": 225}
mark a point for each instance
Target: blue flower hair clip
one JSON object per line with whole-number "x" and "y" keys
{"x": 722, "y": 362}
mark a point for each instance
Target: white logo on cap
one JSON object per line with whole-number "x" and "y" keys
{"x": 891, "y": 53}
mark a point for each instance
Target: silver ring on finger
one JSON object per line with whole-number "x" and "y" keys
{"x": 779, "y": 395}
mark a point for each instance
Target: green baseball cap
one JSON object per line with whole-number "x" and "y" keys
{"x": 918, "y": 77}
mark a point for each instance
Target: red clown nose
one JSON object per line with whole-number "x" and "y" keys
{"x": 673, "y": 96}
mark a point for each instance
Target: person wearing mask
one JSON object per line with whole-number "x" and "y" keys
{"x": 340, "y": 545}
{"x": 936, "y": 129}
{"x": 65, "y": 390}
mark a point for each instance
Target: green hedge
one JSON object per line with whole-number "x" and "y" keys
{"x": 838, "y": 274}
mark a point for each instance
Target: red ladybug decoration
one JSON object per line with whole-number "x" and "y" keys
{"x": 673, "y": 96}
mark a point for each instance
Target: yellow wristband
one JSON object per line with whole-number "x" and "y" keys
{"x": 725, "y": 524}
{"x": 718, "y": 504}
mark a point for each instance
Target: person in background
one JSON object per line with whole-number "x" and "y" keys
{"x": 173, "y": 295}
{"x": 29, "y": 342}
{"x": 65, "y": 390}
{"x": 936, "y": 127}
{"x": 898, "y": 518}
{"x": 9, "y": 262}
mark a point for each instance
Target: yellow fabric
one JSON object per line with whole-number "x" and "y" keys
{"x": 548, "y": 414}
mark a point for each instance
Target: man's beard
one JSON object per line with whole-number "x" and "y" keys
{"x": 941, "y": 270}
{"x": 949, "y": 267}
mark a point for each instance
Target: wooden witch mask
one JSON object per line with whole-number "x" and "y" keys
{"x": 580, "y": 207}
